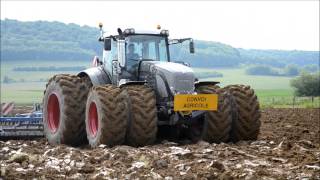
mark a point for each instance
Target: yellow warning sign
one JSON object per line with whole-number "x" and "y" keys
{"x": 190, "y": 102}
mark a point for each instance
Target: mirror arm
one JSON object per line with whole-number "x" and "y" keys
{"x": 180, "y": 40}
{"x": 102, "y": 38}
{"x": 114, "y": 38}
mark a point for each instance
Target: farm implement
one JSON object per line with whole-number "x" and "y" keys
{"x": 20, "y": 126}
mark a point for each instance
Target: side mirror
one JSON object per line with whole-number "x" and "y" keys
{"x": 191, "y": 47}
{"x": 122, "y": 53}
{"x": 107, "y": 44}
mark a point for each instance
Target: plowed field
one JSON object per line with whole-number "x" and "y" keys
{"x": 288, "y": 147}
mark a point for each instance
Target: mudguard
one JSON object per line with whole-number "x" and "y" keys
{"x": 202, "y": 83}
{"x": 97, "y": 76}
{"x": 124, "y": 82}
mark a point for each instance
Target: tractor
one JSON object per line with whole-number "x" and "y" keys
{"x": 136, "y": 95}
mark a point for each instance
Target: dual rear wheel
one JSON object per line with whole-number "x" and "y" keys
{"x": 107, "y": 116}
{"x": 64, "y": 109}
{"x": 76, "y": 112}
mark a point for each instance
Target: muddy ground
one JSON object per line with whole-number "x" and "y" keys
{"x": 288, "y": 148}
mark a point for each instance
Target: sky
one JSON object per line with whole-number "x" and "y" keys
{"x": 285, "y": 25}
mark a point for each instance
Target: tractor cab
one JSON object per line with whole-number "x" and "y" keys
{"x": 124, "y": 53}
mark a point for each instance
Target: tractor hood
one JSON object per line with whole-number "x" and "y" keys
{"x": 171, "y": 76}
{"x": 174, "y": 67}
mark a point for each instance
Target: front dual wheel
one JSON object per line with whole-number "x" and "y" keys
{"x": 237, "y": 117}
{"x": 217, "y": 124}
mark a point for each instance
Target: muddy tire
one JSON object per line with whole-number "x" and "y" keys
{"x": 106, "y": 116}
{"x": 64, "y": 108}
{"x": 246, "y": 113}
{"x": 217, "y": 124}
{"x": 142, "y": 127}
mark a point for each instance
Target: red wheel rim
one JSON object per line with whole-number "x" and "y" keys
{"x": 93, "y": 119}
{"x": 53, "y": 110}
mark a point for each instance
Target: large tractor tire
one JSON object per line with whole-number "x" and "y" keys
{"x": 64, "y": 108}
{"x": 142, "y": 127}
{"x": 106, "y": 116}
{"x": 217, "y": 124}
{"x": 246, "y": 113}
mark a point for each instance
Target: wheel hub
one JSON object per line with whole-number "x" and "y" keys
{"x": 53, "y": 110}
{"x": 93, "y": 119}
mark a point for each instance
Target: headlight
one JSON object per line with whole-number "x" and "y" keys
{"x": 165, "y": 32}
{"x": 129, "y": 31}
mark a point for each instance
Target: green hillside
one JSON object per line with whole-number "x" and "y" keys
{"x": 279, "y": 58}
{"x": 42, "y": 40}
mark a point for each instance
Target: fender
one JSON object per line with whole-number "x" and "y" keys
{"x": 202, "y": 83}
{"x": 125, "y": 82}
{"x": 97, "y": 76}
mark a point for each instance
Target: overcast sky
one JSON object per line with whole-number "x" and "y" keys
{"x": 246, "y": 24}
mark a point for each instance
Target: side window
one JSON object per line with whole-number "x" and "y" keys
{"x": 152, "y": 51}
{"x": 114, "y": 49}
{"x": 163, "y": 50}
{"x": 110, "y": 56}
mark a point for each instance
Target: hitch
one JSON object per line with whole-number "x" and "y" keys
{"x": 22, "y": 125}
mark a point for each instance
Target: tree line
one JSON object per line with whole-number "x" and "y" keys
{"x": 288, "y": 70}
{"x": 50, "y": 68}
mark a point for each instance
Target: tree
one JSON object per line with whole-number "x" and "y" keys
{"x": 291, "y": 70}
{"x": 307, "y": 84}
{"x": 311, "y": 68}
{"x": 262, "y": 70}
{"x": 6, "y": 80}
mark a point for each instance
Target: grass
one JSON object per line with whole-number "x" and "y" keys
{"x": 22, "y": 93}
{"x": 285, "y": 99}
{"x": 262, "y": 93}
{"x": 7, "y": 66}
{"x": 30, "y": 91}
{"x": 272, "y": 91}
{"x": 238, "y": 76}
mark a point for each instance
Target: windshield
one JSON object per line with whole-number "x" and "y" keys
{"x": 140, "y": 47}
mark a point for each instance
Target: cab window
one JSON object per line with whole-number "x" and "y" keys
{"x": 150, "y": 47}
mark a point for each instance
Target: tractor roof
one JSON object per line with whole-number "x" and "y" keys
{"x": 131, "y": 31}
